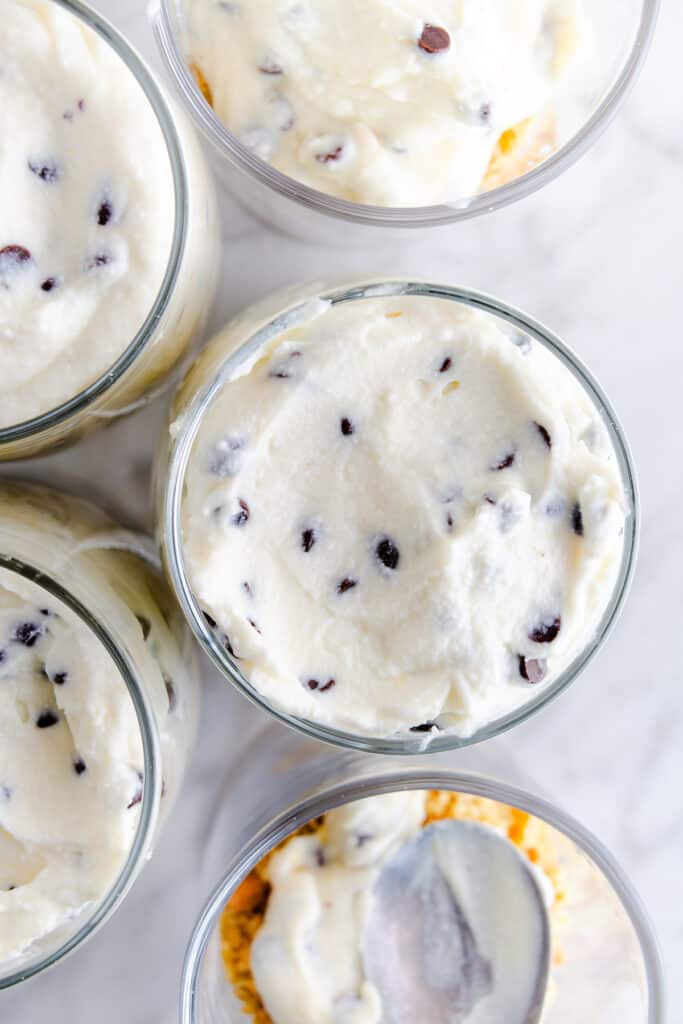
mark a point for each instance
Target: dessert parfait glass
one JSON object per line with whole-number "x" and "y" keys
{"x": 181, "y": 307}
{"x": 623, "y": 29}
{"x": 106, "y": 581}
{"x": 237, "y": 346}
{"x": 610, "y": 970}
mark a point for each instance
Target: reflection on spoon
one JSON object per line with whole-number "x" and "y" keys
{"x": 458, "y": 930}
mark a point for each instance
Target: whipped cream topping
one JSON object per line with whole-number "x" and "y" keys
{"x": 71, "y": 753}
{"x": 86, "y": 237}
{"x": 70, "y": 767}
{"x": 402, "y": 515}
{"x": 392, "y": 104}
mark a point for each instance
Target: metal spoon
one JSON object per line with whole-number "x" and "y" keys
{"x": 458, "y": 931}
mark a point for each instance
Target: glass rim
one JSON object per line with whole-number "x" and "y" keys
{"x": 152, "y": 784}
{"x": 45, "y": 421}
{"x": 192, "y": 418}
{"x": 414, "y": 777}
{"x": 230, "y": 147}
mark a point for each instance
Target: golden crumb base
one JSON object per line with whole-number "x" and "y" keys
{"x": 202, "y": 82}
{"x": 246, "y": 909}
{"x": 520, "y": 149}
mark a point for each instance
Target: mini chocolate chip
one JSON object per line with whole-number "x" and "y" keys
{"x": 489, "y": 500}
{"x": 505, "y": 462}
{"x": 27, "y": 633}
{"x": 137, "y": 795}
{"x": 308, "y": 538}
{"x": 49, "y": 284}
{"x": 532, "y": 669}
{"x": 14, "y": 256}
{"x": 81, "y": 105}
{"x": 346, "y": 584}
{"x": 347, "y": 427}
{"x": 170, "y": 693}
{"x": 331, "y": 157}
{"x": 100, "y": 259}
{"x": 314, "y": 684}
{"x": 105, "y": 212}
{"x": 2, "y": 655}
{"x": 225, "y": 640}
{"x": 320, "y": 858}
{"x": 247, "y": 589}
{"x": 79, "y": 765}
{"x": 425, "y": 727}
{"x": 544, "y": 434}
{"x": 446, "y": 365}
{"x": 242, "y": 515}
{"x": 388, "y": 553}
{"x": 46, "y": 719}
{"x": 485, "y": 113}
{"x": 577, "y": 520}
{"x": 449, "y": 521}
{"x": 59, "y": 678}
{"x": 434, "y": 39}
{"x": 10, "y": 888}
{"x": 254, "y": 626}
{"x": 546, "y": 631}
{"x": 47, "y": 170}
{"x": 145, "y": 626}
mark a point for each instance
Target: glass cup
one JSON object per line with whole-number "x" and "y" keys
{"x": 611, "y": 972}
{"x": 623, "y": 28}
{"x": 237, "y": 345}
{"x": 106, "y": 580}
{"x": 181, "y": 308}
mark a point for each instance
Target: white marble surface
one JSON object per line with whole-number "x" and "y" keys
{"x": 597, "y": 255}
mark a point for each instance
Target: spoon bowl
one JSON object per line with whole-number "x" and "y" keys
{"x": 458, "y": 931}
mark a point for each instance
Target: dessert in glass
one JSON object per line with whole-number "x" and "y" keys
{"x": 397, "y": 115}
{"x": 290, "y": 933}
{"x": 108, "y": 248}
{"x": 98, "y": 710}
{"x": 398, "y": 515}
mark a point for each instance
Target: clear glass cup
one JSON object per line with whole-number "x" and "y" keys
{"x": 238, "y": 344}
{"x": 181, "y": 308}
{"x": 107, "y": 579}
{"x": 611, "y": 972}
{"x": 625, "y": 28}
